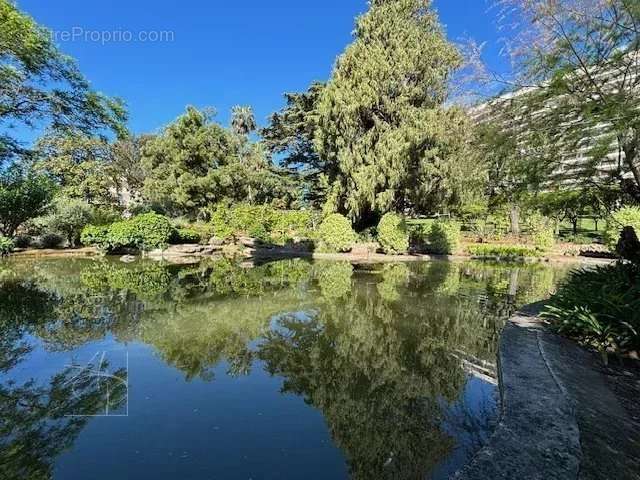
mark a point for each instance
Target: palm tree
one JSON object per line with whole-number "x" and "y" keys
{"x": 243, "y": 121}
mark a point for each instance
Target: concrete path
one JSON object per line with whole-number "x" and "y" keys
{"x": 561, "y": 416}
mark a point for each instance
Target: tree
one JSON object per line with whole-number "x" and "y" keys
{"x": 23, "y": 195}
{"x": 40, "y": 84}
{"x": 126, "y": 163}
{"x": 383, "y": 129}
{"x": 182, "y": 163}
{"x": 69, "y": 217}
{"x": 512, "y": 174}
{"x": 581, "y": 59}
{"x": 290, "y": 135}
{"x": 79, "y": 164}
{"x": 243, "y": 121}
{"x": 195, "y": 162}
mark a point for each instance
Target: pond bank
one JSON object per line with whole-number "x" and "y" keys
{"x": 187, "y": 253}
{"x": 563, "y": 416}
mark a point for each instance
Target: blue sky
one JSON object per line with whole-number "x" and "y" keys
{"x": 223, "y": 52}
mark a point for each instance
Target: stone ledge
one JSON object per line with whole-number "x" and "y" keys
{"x": 537, "y": 436}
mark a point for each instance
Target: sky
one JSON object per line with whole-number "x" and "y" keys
{"x": 162, "y": 55}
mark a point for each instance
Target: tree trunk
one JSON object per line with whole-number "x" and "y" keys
{"x": 631, "y": 158}
{"x": 514, "y": 216}
{"x": 574, "y": 223}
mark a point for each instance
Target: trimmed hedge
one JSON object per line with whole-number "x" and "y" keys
{"x": 625, "y": 217}
{"x": 503, "y": 251}
{"x": 336, "y": 234}
{"x": 444, "y": 237}
{"x": 393, "y": 235}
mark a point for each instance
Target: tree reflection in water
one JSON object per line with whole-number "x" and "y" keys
{"x": 372, "y": 348}
{"x": 41, "y": 422}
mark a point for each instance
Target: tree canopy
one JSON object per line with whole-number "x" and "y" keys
{"x": 39, "y": 84}
{"x": 580, "y": 61}
{"x": 383, "y": 130}
{"x": 23, "y": 195}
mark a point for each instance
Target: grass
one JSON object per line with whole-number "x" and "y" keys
{"x": 503, "y": 251}
{"x": 586, "y": 232}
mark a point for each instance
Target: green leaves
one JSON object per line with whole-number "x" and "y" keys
{"x": 392, "y": 234}
{"x": 39, "y": 83}
{"x": 600, "y": 306}
{"x": 382, "y": 130}
{"x": 335, "y": 234}
{"x": 23, "y": 195}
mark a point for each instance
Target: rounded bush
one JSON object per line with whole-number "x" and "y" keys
{"x": 625, "y": 217}
{"x": 393, "y": 234}
{"x": 185, "y": 235}
{"x": 22, "y": 241}
{"x": 287, "y": 225}
{"x": 148, "y": 231}
{"x": 93, "y": 235}
{"x": 6, "y": 246}
{"x": 144, "y": 232}
{"x": 122, "y": 234}
{"x": 335, "y": 234}
{"x": 444, "y": 237}
{"x": 51, "y": 240}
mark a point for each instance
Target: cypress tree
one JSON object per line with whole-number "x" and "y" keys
{"x": 383, "y": 129}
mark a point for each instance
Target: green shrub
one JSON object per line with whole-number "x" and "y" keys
{"x": 68, "y": 218}
{"x": 22, "y": 241}
{"x": 335, "y": 234}
{"x": 6, "y": 246}
{"x": 251, "y": 220}
{"x": 241, "y": 220}
{"x": 153, "y": 230}
{"x": 444, "y": 237}
{"x": 144, "y": 232}
{"x": 368, "y": 235}
{"x": 393, "y": 234}
{"x": 599, "y": 306}
{"x": 625, "y": 217}
{"x": 94, "y": 235}
{"x": 51, "y": 240}
{"x": 502, "y": 251}
{"x": 221, "y": 221}
{"x": 541, "y": 230}
{"x": 419, "y": 234}
{"x": 185, "y": 235}
{"x": 122, "y": 234}
{"x": 287, "y": 225}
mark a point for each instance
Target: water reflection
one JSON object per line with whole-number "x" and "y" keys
{"x": 385, "y": 353}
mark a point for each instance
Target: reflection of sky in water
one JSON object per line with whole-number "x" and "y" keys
{"x": 217, "y": 391}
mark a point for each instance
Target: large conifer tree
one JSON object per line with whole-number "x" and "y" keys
{"x": 387, "y": 139}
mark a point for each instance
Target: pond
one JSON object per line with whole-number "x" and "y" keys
{"x": 225, "y": 370}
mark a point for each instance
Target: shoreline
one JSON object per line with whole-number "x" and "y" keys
{"x": 561, "y": 416}
{"x": 177, "y": 252}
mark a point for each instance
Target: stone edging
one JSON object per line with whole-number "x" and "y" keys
{"x": 537, "y": 436}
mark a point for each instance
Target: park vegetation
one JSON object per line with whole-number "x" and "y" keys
{"x": 381, "y": 152}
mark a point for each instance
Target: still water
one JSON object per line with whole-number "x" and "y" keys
{"x": 223, "y": 370}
